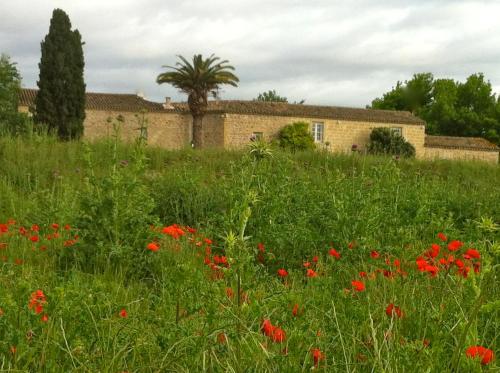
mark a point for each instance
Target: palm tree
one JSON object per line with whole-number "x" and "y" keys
{"x": 199, "y": 80}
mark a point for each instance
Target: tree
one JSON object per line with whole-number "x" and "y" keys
{"x": 449, "y": 108}
{"x": 199, "y": 79}
{"x": 271, "y": 96}
{"x": 11, "y": 120}
{"x": 60, "y": 102}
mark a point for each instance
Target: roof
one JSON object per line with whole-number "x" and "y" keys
{"x": 102, "y": 101}
{"x": 471, "y": 143}
{"x": 310, "y": 111}
{"x": 134, "y": 103}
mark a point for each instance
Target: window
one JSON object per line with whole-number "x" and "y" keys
{"x": 397, "y": 130}
{"x": 257, "y": 136}
{"x": 317, "y": 131}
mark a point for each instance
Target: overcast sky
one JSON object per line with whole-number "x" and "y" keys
{"x": 324, "y": 51}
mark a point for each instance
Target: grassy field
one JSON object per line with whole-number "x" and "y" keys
{"x": 119, "y": 258}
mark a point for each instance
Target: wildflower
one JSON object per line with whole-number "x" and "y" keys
{"x": 267, "y": 327}
{"x": 173, "y": 231}
{"x": 472, "y": 254}
{"x": 484, "y": 353}
{"x": 442, "y": 237}
{"x": 34, "y": 238}
{"x": 191, "y": 230}
{"x": 295, "y": 310}
{"x": 45, "y": 318}
{"x": 351, "y": 245}
{"x": 55, "y": 226}
{"x": 123, "y": 313}
{"x": 260, "y": 247}
{"x": 455, "y": 245}
{"x": 153, "y": 246}
{"x": 334, "y": 253}
{"x": 433, "y": 251}
{"x": 374, "y": 254}
{"x": 307, "y": 264}
{"x": 278, "y": 335}
{"x": 433, "y": 270}
{"x": 229, "y": 292}
{"x": 35, "y": 228}
{"x": 311, "y": 273}
{"x": 358, "y": 285}
{"x": 317, "y": 356}
{"x": 315, "y": 259}
{"x": 37, "y": 301}
{"x": 421, "y": 264}
{"x": 282, "y": 273}
{"x": 397, "y": 263}
{"x": 221, "y": 338}
{"x": 67, "y": 227}
{"x": 362, "y": 274}
{"x": 393, "y": 310}
{"x": 208, "y": 241}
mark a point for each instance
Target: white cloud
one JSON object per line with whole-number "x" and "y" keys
{"x": 327, "y": 52}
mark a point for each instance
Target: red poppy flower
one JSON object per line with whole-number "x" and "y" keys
{"x": 34, "y": 238}
{"x": 362, "y": 274}
{"x": 432, "y": 270}
{"x": 208, "y": 241}
{"x": 358, "y": 285}
{"x": 278, "y": 335}
{"x": 311, "y": 273}
{"x": 295, "y": 310}
{"x": 45, "y": 318}
{"x": 282, "y": 272}
{"x": 153, "y": 246}
{"x": 315, "y": 259}
{"x": 472, "y": 254}
{"x": 317, "y": 356}
{"x": 455, "y": 245}
{"x": 267, "y": 327}
{"x": 221, "y": 338}
{"x": 374, "y": 254}
{"x": 476, "y": 352}
{"x": 393, "y": 310}
{"x": 123, "y": 313}
{"x": 442, "y": 237}
{"x": 229, "y": 292}
{"x": 334, "y": 253}
{"x": 173, "y": 231}
{"x": 307, "y": 264}
{"x": 260, "y": 247}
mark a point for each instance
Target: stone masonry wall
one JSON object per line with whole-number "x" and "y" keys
{"x": 213, "y": 131}
{"x": 464, "y": 154}
{"x": 340, "y": 134}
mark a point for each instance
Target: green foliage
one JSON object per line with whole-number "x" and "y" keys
{"x": 449, "y": 107}
{"x": 199, "y": 79}
{"x": 11, "y": 121}
{"x": 271, "y": 96}
{"x": 384, "y": 141}
{"x": 298, "y": 205}
{"x": 296, "y": 136}
{"x": 60, "y": 102}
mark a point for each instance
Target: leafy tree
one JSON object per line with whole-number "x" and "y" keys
{"x": 449, "y": 108}
{"x": 296, "y": 136}
{"x": 199, "y": 79}
{"x": 60, "y": 102}
{"x": 11, "y": 120}
{"x": 271, "y": 96}
{"x": 384, "y": 141}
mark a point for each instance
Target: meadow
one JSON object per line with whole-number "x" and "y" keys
{"x": 124, "y": 258}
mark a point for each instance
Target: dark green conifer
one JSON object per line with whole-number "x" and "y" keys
{"x": 60, "y": 102}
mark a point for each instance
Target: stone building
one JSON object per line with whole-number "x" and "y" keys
{"x": 231, "y": 124}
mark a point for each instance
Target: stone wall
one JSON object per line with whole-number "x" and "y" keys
{"x": 340, "y": 134}
{"x": 463, "y": 154}
{"x": 213, "y": 131}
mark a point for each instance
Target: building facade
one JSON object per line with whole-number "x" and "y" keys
{"x": 231, "y": 124}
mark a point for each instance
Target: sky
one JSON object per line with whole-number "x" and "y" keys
{"x": 327, "y": 52}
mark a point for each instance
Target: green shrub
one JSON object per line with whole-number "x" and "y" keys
{"x": 296, "y": 136}
{"x": 384, "y": 141}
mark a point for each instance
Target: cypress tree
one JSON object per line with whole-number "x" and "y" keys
{"x": 60, "y": 102}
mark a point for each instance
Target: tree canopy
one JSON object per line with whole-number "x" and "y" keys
{"x": 11, "y": 120}
{"x": 60, "y": 102}
{"x": 271, "y": 96}
{"x": 449, "y": 107}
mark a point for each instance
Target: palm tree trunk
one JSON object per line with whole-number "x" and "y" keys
{"x": 197, "y": 131}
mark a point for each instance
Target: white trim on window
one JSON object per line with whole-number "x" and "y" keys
{"x": 318, "y": 131}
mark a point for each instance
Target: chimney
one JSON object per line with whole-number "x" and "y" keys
{"x": 168, "y": 103}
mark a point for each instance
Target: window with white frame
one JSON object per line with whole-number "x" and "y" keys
{"x": 318, "y": 130}
{"x": 397, "y": 130}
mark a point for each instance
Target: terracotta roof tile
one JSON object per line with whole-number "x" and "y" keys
{"x": 134, "y": 103}
{"x": 472, "y": 143}
{"x": 310, "y": 111}
{"x": 102, "y": 101}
